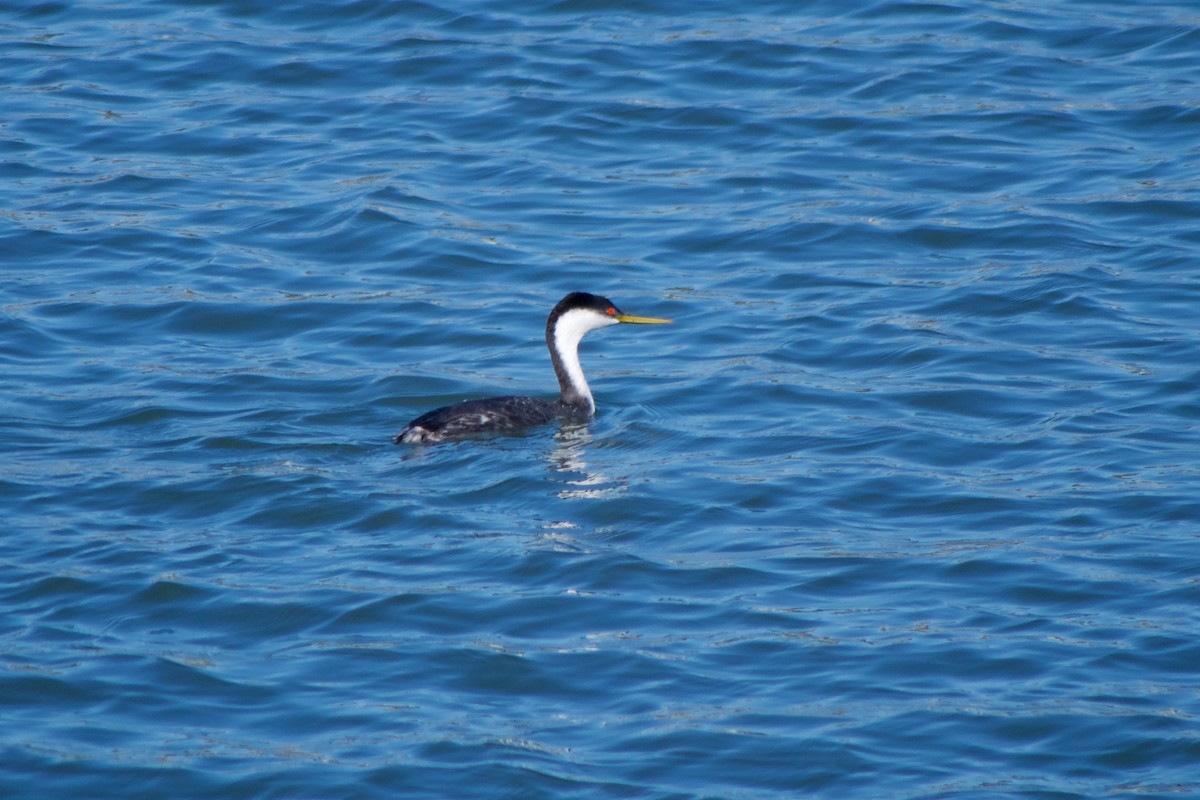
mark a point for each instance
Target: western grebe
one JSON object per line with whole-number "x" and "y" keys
{"x": 574, "y": 316}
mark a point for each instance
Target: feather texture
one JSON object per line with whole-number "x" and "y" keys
{"x": 475, "y": 417}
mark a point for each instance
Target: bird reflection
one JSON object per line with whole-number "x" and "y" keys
{"x": 569, "y": 456}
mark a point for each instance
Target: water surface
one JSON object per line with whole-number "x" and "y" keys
{"x": 904, "y": 505}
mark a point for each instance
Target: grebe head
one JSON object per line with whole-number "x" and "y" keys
{"x": 580, "y": 312}
{"x": 574, "y": 316}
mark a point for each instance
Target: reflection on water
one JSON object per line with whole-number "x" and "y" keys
{"x": 569, "y": 457}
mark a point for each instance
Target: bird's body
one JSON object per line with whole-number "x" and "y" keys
{"x": 471, "y": 417}
{"x": 574, "y": 316}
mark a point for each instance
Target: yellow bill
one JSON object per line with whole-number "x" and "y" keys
{"x": 622, "y": 317}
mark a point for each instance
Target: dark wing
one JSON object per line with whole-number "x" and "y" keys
{"x": 475, "y": 417}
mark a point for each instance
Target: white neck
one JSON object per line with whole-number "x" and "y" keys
{"x": 569, "y": 330}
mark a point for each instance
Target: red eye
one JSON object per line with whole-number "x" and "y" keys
{"x": 612, "y": 312}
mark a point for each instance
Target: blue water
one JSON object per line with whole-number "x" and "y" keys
{"x": 905, "y": 505}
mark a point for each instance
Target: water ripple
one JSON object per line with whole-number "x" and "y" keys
{"x": 904, "y": 498}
